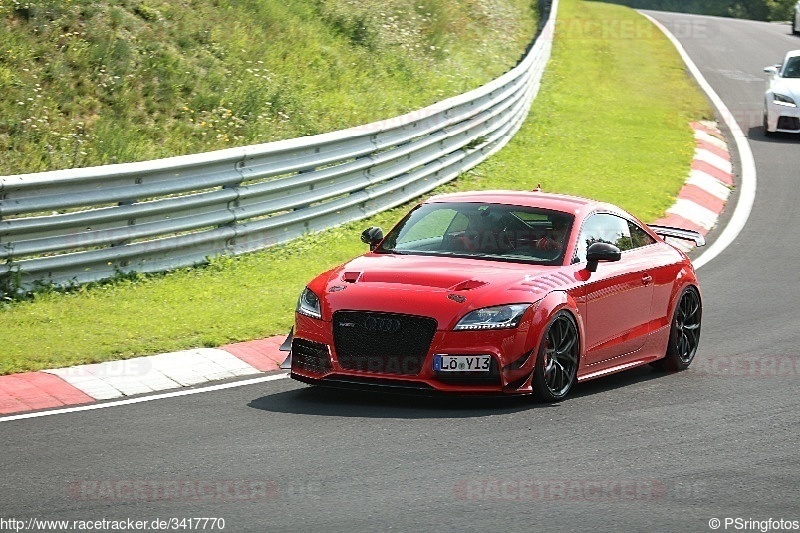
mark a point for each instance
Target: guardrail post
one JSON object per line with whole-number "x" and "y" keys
{"x": 230, "y": 243}
{"x": 131, "y": 222}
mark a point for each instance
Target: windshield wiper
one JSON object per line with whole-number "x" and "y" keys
{"x": 391, "y": 252}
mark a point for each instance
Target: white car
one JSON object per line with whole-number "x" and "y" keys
{"x": 781, "y": 113}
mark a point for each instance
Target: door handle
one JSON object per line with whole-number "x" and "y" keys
{"x": 647, "y": 279}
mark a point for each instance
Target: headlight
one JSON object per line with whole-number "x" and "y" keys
{"x": 499, "y": 317}
{"x": 781, "y": 99}
{"x": 308, "y": 304}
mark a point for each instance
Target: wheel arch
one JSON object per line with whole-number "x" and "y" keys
{"x": 547, "y": 309}
{"x": 685, "y": 277}
{"x": 553, "y": 309}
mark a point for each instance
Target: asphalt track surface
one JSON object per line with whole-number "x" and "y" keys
{"x": 639, "y": 451}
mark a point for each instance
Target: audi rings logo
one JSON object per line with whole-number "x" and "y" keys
{"x": 382, "y": 325}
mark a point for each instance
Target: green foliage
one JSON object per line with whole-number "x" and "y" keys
{"x": 10, "y": 287}
{"x": 358, "y": 27}
{"x": 148, "y": 13}
{"x": 87, "y": 82}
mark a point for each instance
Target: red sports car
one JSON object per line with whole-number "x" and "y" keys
{"x": 500, "y": 292}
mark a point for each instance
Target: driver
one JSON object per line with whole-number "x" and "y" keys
{"x": 553, "y": 239}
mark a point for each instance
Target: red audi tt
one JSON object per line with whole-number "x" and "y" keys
{"x": 500, "y": 292}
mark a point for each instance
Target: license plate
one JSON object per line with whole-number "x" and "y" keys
{"x": 462, "y": 363}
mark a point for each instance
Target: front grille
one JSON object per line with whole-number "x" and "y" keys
{"x": 382, "y": 343}
{"x": 789, "y": 123}
{"x": 310, "y": 356}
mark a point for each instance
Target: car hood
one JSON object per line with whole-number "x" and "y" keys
{"x": 445, "y": 288}
{"x": 787, "y": 86}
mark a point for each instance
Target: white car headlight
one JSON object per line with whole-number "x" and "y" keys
{"x": 782, "y": 99}
{"x": 498, "y": 317}
{"x": 308, "y": 304}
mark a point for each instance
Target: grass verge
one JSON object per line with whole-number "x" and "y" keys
{"x": 91, "y": 82}
{"x": 611, "y": 122}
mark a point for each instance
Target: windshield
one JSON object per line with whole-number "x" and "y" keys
{"x": 487, "y": 231}
{"x": 792, "y": 68}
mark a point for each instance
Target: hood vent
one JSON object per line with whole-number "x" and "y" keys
{"x": 351, "y": 277}
{"x": 467, "y": 285}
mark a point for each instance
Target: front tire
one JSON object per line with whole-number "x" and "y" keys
{"x": 556, "y": 366}
{"x": 684, "y": 335}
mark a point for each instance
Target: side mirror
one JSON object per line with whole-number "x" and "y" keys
{"x": 372, "y": 236}
{"x": 772, "y": 71}
{"x": 601, "y": 252}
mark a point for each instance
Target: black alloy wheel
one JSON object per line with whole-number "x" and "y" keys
{"x": 684, "y": 336}
{"x": 556, "y": 367}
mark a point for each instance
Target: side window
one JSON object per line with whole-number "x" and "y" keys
{"x": 603, "y": 227}
{"x": 639, "y": 236}
{"x": 792, "y": 68}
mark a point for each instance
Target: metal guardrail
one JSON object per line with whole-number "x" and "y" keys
{"x": 80, "y": 225}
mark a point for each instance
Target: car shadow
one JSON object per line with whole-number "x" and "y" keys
{"x": 621, "y": 380}
{"x": 323, "y": 401}
{"x": 757, "y": 133}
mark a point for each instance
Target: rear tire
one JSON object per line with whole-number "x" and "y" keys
{"x": 556, "y": 366}
{"x": 684, "y": 335}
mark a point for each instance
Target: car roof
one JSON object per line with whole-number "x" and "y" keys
{"x": 792, "y": 53}
{"x": 556, "y": 202}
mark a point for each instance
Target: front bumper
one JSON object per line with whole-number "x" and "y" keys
{"x": 314, "y": 360}
{"x": 782, "y": 119}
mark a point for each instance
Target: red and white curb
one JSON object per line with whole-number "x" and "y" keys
{"x": 83, "y": 384}
{"x": 697, "y": 207}
{"x": 703, "y": 196}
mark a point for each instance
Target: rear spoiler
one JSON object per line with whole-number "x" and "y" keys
{"x": 678, "y": 233}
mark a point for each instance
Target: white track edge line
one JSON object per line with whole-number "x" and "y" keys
{"x": 747, "y": 190}
{"x": 140, "y": 399}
